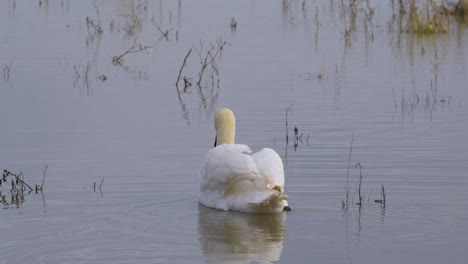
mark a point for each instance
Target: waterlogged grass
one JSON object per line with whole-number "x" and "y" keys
{"x": 429, "y": 18}
{"x": 432, "y": 17}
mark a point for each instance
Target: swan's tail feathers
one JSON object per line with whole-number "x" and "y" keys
{"x": 274, "y": 198}
{"x": 273, "y": 204}
{"x": 258, "y": 193}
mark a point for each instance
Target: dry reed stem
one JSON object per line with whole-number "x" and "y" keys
{"x": 346, "y": 201}
{"x": 360, "y": 184}
{"x": 117, "y": 60}
{"x": 180, "y": 72}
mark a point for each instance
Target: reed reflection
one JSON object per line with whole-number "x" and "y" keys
{"x": 232, "y": 237}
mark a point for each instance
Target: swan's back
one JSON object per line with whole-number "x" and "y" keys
{"x": 232, "y": 179}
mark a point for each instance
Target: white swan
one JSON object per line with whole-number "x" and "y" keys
{"x": 232, "y": 179}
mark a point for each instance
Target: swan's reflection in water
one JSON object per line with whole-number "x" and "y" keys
{"x": 232, "y": 237}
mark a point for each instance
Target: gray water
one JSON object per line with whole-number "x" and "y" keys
{"x": 123, "y": 154}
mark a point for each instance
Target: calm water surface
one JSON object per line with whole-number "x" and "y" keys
{"x": 404, "y": 97}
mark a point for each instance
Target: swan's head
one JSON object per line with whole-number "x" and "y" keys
{"x": 225, "y": 125}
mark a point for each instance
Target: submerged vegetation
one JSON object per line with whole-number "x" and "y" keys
{"x": 408, "y": 16}
{"x": 17, "y": 188}
{"x": 361, "y": 198}
{"x": 431, "y": 16}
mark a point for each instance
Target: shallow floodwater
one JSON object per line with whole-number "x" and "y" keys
{"x": 123, "y": 145}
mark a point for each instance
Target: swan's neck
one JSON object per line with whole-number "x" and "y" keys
{"x": 225, "y": 124}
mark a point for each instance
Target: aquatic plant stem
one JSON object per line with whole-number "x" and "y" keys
{"x": 346, "y": 203}
{"x": 180, "y": 71}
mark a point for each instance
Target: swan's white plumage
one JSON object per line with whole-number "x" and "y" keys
{"x": 233, "y": 179}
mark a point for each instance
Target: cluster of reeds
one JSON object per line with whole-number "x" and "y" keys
{"x": 208, "y": 60}
{"x": 134, "y": 14}
{"x": 409, "y": 16}
{"x": 208, "y": 73}
{"x": 427, "y": 16}
{"x": 17, "y": 188}
{"x": 298, "y": 138}
{"x": 361, "y": 198}
{"x": 130, "y": 22}
{"x": 461, "y": 9}
{"x": 410, "y": 100}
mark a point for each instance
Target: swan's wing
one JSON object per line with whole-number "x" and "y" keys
{"x": 270, "y": 166}
{"x": 223, "y": 163}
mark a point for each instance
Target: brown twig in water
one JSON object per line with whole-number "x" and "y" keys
{"x": 96, "y": 26}
{"x": 346, "y": 201}
{"x": 86, "y": 72}
{"x": 188, "y": 83}
{"x": 18, "y": 188}
{"x": 289, "y": 109}
{"x": 204, "y": 65}
{"x": 296, "y": 138}
{"x": 383, "y": 195}
{"x": 41, "y": 187}
{"x": 18, "y": 179}
{"x": 210, "y": 58}
{"x": 100, "y": 185}
{"x": 117, "y": 60}
{"x": 163, "y": 33}
{"x": 360, "y": 184}
{"x": 383, "y": 198}
{"x": 180, "y": 72}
